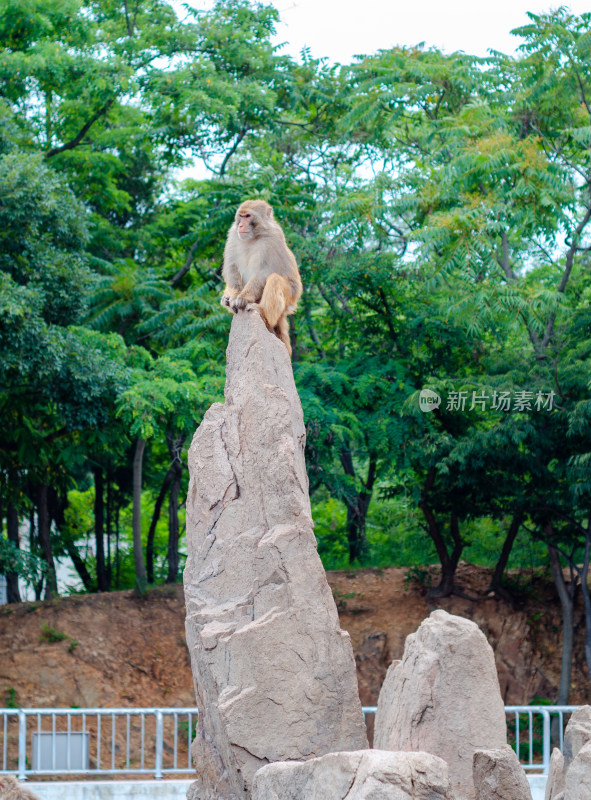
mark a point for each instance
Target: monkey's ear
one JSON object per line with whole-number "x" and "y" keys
{"x": 269, "y": 211}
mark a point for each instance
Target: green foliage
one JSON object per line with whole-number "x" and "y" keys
{"x": 163, "y": 389}
{"x": 183, "y": 725}
{"x": 438, "y": 206}
{"x": 395, "y": 536}
{"x": 11, "y": 698}
{"x": 519, "y": 731}
{"x": 341, "y": 598}
{"x": 24, "y": 564}
{"x": 329, "y": 524}
{"x": 49, "y": 634}
{"x": 419, "y": 576}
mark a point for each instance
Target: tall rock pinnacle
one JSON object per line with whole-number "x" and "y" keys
{"x": 274, "y": 674}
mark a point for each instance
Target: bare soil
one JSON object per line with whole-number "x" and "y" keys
{"x": 120, "y": 650}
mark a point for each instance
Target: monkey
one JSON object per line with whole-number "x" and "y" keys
{"x": 260, "y": 270}
{"x": 11, "y": 789}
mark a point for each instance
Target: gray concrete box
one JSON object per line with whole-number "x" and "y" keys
{"x": 70, "y": 751}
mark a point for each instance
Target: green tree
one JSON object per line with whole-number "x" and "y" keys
{"x": 55, "y": 379}
{"x": 161, "y": 390}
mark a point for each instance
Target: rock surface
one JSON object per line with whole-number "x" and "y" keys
{"x": 569, "y": 777}
{"x": 578, "y": 777}
{"x": 361, "y": 775}
{"x": 498, "y": 775}
{"x": 274, "y": 673}
{"x": 443, "y": 698}
{"x": 11, "y": 789}
{"x": 576, "y": 735}
{"x": 555, "y": 782}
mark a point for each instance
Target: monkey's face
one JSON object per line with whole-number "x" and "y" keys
{"x": 245, "y": 224}
{"x": 253, "y": 218}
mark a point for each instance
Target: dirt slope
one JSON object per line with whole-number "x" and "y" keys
{"x": 120, "y": 650}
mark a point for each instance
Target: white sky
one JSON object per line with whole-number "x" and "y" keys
{"x": 341, "y": 29}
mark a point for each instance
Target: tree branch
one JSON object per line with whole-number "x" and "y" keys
{"x": 570, "y": 259}
{"x": 312, "y": 332}
{"x": 232, "y": 150}
{"x": 388, "y": 317}
{"x": 83, "y": 131}
{"x": 186, "y": 266}
{"x": 583, "y": 98}
{"x": 127, "y": 20}
{"x": 505, "y": 264}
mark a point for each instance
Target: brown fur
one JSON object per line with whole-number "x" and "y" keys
{"x": 259, "y": 268}
{"x": 11, "y": 789}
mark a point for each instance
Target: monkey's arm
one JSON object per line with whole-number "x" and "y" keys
{"x": 227, "y": 297}
{"x": 233, "y": 283}
{"x": 252, "y": 292}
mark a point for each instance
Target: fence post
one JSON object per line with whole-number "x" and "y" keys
{"x": 546, "y": 746}
{"x": 22, "y": 745}
{"x": 159, "y": 744}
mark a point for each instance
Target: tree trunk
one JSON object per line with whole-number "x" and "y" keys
{"x": 138, "y": 554}
{"x": 79, "y": 564}
{"x": 583, "y": 573}
{"x": 155, "y": 517}
{"x": 99, "y": 530}
{"x": 34, "y": 548}
{"x": 357, "y": 503}
{"x": 587, "y": 604}
{"x": 458, "y": 543}
{"x": 173, "y": 523}
{"x": 567, "y": 599}
{"x": 12, "y": 590}
{"x": 356, "y": 520}
{"x": 496, "y": 582}
{"x": 57, "y": 506}
{"x": 109, "y": 527}
{"x": 45, "y": 540}
{"x": 117, "y": 554}
{"x": 449, "y": 562}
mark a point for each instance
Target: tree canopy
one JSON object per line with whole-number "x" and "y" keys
{"x": 439, "y": 206}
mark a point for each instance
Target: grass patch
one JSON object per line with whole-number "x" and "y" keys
{"x": 49, "y": 634}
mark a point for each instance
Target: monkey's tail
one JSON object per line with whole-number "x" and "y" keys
{"x": 276, "y": 296}
{"x": 281, "y": 330}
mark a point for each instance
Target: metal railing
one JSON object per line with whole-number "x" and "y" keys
{"x": 97, "y": 741}
{"x": 157, "y": 741}
{"x": 533, "y": 730}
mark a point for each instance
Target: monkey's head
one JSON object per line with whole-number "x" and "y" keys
{"x": 252, "y": 218}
